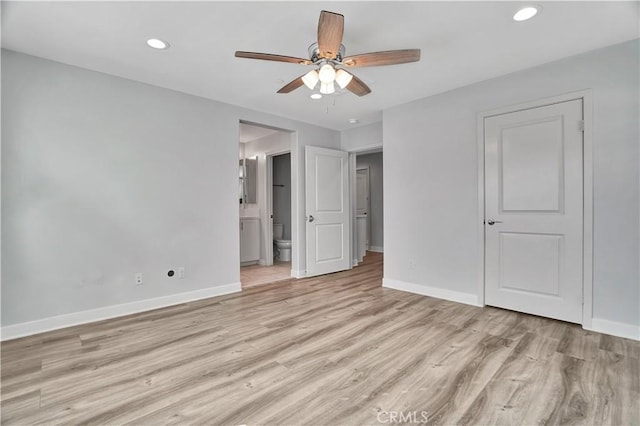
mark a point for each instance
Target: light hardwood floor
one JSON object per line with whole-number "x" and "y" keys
{"x": 251, "y": 276}
{"x": 332, "y": 350}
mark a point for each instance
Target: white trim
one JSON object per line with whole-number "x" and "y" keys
{"x": 83, "y": 317}
{"x": 262, "y": 262}
{"x": 425, "y": 290}
{"x": 620, "y": 329}
{"x": 587, "y": 251}
{"x": 377, "y": 249}
{"x": 353, "y": 243}
{"x": 268, "y": 207}
{"x": 368, "y": 149}
{"x": 268, "y": 213}
{"x": 298, "y": 274}
{"x": 587, "y": 211}
{"x": 481, "y": 209}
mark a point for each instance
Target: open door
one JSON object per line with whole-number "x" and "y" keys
{"x": 327, "y": 210}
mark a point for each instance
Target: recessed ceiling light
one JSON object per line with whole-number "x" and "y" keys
{"x": 353, "y": 120}
{"x": 316, "y": 96}
{"x": 156, "y": 43}
{"x": 525, "y": 13}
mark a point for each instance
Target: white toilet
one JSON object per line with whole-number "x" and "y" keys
{"x": 282, "y": 247}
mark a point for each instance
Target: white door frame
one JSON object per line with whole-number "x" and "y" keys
{"x": 268, "y": 249}
{"x": 587, "y": 241}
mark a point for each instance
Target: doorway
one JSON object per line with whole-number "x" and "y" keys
{"x": 535, "y": 188}
{"x": 369, "y": 197}
{"x": 268, "y": 211}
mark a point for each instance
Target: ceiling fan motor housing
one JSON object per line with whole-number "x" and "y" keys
{"x": 314, "y": 54}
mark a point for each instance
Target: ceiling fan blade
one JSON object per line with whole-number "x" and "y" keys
{"x": 389, "y": 57}
{"x": 271, "y": 57}
{"x": 292, "y": 85}
{"x": 330, "y": 29}
{"x": 357, "y": 87}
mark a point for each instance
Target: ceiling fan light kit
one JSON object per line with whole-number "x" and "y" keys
{"x": 327, "y": 54}
{"x": 343, "y": 78}
{"x": 310, "y": 79}
{"x": 327, "y": 88}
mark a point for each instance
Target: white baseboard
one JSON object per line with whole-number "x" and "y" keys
{"x": 377, "y": 249}
{"x": 298, "y": 274}
{"x": 354, "y": 262}
{"x": 262, "y": 262}
{"x": 620, "y": 329}
{"x": 440, "y": 293}
{"x": 83, "y": 317}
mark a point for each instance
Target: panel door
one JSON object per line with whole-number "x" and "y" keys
{"x": 534, "y": 211}
{"x": 327, "y": 207}
{"x": 362, "y": 192}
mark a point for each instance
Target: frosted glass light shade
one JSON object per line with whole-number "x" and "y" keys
{"x": 327, "y": 88}
{"x": 327, "y": 74}
{"x": 310, "y": 79}
{"x": 343, "y": 78}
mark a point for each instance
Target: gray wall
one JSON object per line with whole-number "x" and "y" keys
{"x": 103, "y": 177}
{"x": 282, "y": 195}
{"x": 362, "y": 138}
{"x": 430, "y": 165}
{"x": 376, "y": 216}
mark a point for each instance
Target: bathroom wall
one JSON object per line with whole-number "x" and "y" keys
{"x": 376, "y": 216}
{"x": 282, "y": 195}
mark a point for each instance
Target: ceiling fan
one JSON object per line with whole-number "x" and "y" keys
{"x": 327, "y": 55}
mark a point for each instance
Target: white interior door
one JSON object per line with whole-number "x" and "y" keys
{"x": 534, "y": 211}
{"x": 327, "y": 210}
{"x": 362, "y": 206}
{"x": 362, "y": 191}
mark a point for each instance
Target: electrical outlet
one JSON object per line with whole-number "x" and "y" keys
{"x": 411, "y": 264}
{"x": 181, "y": 272}
{"x": 139, "y": 278}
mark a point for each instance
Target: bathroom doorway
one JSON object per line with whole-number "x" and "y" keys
{"x": 266, "y": 249}
{"x": 369, "y": 215}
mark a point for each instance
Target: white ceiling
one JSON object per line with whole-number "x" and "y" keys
{"x": 461, "y": 42}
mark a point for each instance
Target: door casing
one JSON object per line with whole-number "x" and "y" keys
{"x": 587, "y": 264}
{"x": 269, "y": 203}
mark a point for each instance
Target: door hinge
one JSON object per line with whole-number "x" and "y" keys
{"x": 581, "y": 125}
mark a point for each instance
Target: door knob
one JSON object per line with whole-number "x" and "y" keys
{"x": 310, "y": 219}
{"x": 492, "y": 222}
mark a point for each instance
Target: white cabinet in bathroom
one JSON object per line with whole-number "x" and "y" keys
{"x": 249, "y": 239}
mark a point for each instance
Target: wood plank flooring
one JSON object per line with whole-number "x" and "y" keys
{"x": 331, "y": 350}
{"x": 253, "y": 275}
